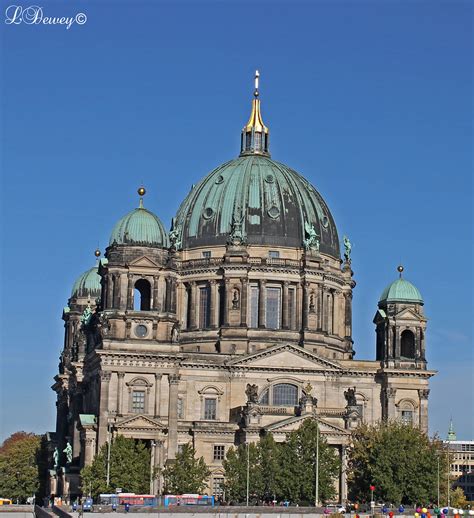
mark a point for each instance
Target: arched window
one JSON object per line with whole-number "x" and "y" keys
{"x": 285, "y": 394}
{"x": 407, "y": 348}
{"x": 142, "y": 295}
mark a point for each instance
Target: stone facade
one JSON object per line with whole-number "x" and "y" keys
{"x": 231, "y": 333}
{"x": 184, "y": 376}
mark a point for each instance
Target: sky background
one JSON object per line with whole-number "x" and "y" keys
{"x": 371, "y": 101}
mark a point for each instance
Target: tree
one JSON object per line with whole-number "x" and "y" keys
{"x": 235, "y": 466}
{"x": 129, "y": 468}
{"x": 186, "y": 474}
{"x": 282, "y": 471}
{"x": 297, "y": 476}
{"x": 19, "y": 477}
{"x": 399, "y": 460}
{"x": 458, "y": 498}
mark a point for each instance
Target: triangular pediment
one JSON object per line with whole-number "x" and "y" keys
{"x": 287, "y": 357}
{"x": 410, "y": 314}
{"x": 293, "y": 423}
{"x": 138, "y": 422}
{"x": 143, "y": 262}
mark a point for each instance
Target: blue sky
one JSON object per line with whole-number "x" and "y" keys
{"x": 371, "y": 101}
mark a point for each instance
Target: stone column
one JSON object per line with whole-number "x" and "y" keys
{"x": 390, "y": 394}
{"x": 285, "y": 316}
{"x": 343, "y": 493}
{"x": 299, "y": 307}
{"x": 397, "y": 344}
{"x": 120, "y": 376}
{"x": 167, "y": 295}
{"x": 193, "y": 310}
{"x": 173, "y": 380}
{"x": 227, "y": 301}
{"x": 156, "y": 281}
{"x": 335, "y": 313}
{"x": 244, "y": 301}
{"x": 173, "y": 287}
{"x": 89, "y": 447}
{"x": 130, "y": 291}
{"x": 157, "y": 409}
{"x": 262, "y": 320}
{"x": 320, "y": 306}
{"x": 348, "y": 313}
{"x": 213, "y": 305}
{"x": 325, "y": 308}
{"x": 104, "y": 409}
{"x": 423, "y": 417}
{"x": 305, "y": 305}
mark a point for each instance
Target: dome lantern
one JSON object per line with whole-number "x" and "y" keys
{"x": 255, "y": 135}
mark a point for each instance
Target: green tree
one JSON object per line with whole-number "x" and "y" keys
{"x": 186, "y": 474}
{"x": 268, "y": 456}
{"x": 235, "y": 466}
{"x": 129, "y": 468}
{"x": 400, "y": 460}
{"x": 458, "y": 498}
{"x": 19, "y": 477}
{"x": 297, "y": 475}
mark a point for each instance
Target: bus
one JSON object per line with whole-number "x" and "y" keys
{"x": 188, "y": 499}
{"x": 127, "y": 498}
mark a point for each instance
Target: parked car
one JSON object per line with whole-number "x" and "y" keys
{"x": 88, "y": 504}
{"x": 335, "y": 508}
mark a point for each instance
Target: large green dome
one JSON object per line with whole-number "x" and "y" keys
{"x": 271, "y": 202}
{"x": 87, "y": 285}
{"x": 140, "y": 227}
{"x": 401, "y": 291}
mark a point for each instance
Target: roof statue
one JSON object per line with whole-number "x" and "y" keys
{"x": 350, "y": 395}
{"x": 251, "y": 392}
{"x": 237, "y": 235}
{"x": 174, "y": 235}
{"x": 347, "y": 249}
{"x": 56, "y": 458}
{"x": 312, "y": 241}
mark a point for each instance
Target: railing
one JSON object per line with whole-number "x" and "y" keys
{"x": 258, "y": 261}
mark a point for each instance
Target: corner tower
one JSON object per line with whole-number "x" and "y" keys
{"x": 401, "y": 325}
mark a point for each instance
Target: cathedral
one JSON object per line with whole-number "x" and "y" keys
{"x": 235, "y": 323}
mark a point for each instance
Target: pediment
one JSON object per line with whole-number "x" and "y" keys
{"x": 144, "y": 262}
{"x": 139, "y": 422}
{"x": 410, "y": 314}
{"x": 293, "y": 423}
{"x": 285, "y": 357}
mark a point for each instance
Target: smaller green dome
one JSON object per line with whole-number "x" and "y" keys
{"x": 401, "y": 290}
{"x": 87, "y": 285}
{"x": 140, "y": 227}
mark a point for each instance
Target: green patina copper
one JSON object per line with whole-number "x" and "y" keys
{"x": 87, "y": 419}
{"x": 140, "y": 227}
{"x": 401, "y": 290}
{"x": 275, "y": 201}
{"x": 87, "y": 285}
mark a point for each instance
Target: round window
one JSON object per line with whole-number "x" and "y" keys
{"x": 141, "y": 331}
{"x": 274, "y": 212}
{"x": 208, "y": 213}
{"x": 269, "y": 178}
{"x": 219, "y": 179}
{"x": 325, "y": 221}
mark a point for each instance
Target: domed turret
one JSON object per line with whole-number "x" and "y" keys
{"x": 87, "y": 285}
{"x": 401, "y": 290}
{"x": 268, "y": 202}
{"x": 140, "y": 227}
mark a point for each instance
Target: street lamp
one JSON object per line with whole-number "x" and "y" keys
{"x": 316, "y": 484}
{"x": 248, "y": 472}
{"x": 438, "y": 479}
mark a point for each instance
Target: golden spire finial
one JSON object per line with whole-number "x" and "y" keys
{"x": 141, "y": 192}
{"x": 400, "y": 270}
{"x": 255, "y": 135}
{"x": 97, "y": 253}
